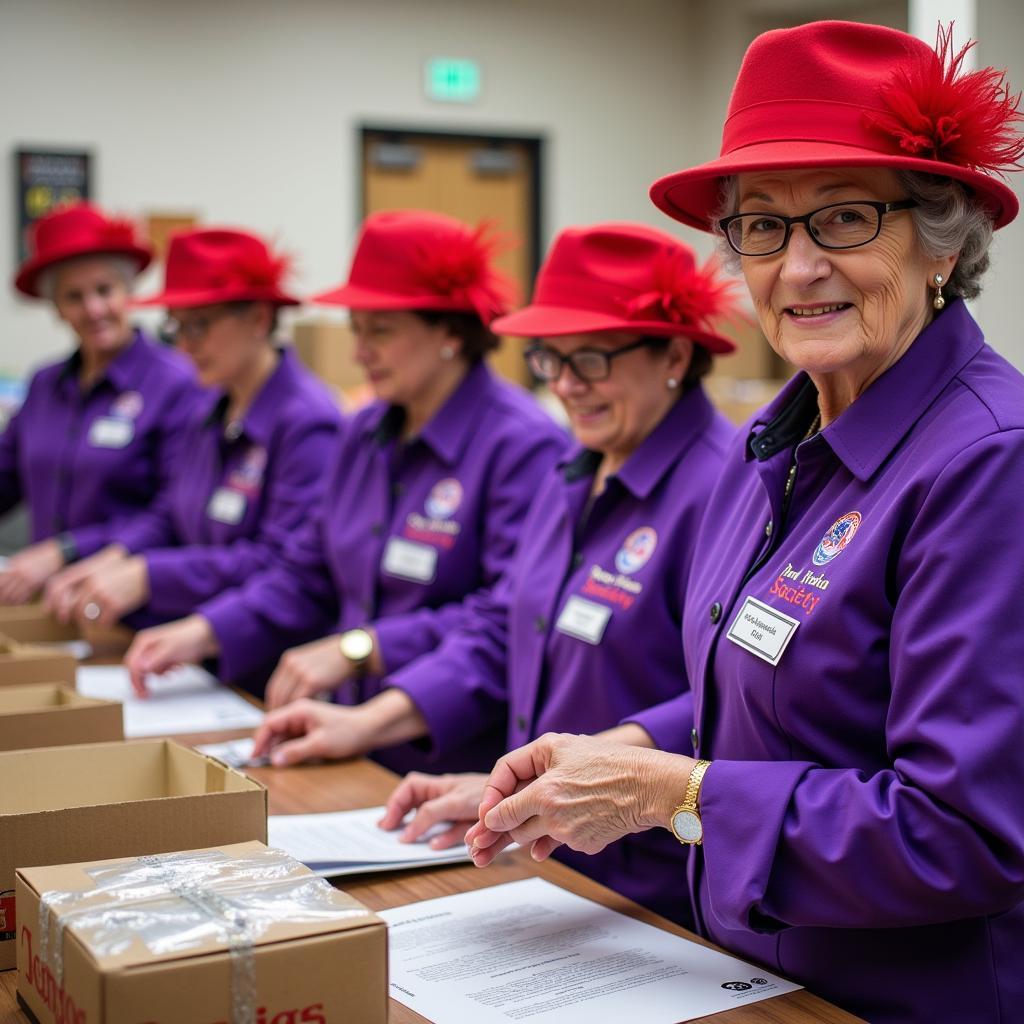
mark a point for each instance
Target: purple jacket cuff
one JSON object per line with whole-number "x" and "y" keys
{"x": 402, "y": 639}
{"x": 89, "y": 539}
{"x": 668, "y": 723}
{"x": 242, "y": 641}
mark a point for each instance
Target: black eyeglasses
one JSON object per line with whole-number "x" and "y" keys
{"x": 589, "y": 364}
{"x": 836, "y": 226}
{"x": 194, "y": 329}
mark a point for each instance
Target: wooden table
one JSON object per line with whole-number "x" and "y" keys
{"x": 356, "y": 784}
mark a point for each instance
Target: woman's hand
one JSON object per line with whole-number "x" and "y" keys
{"x": 185, "y": 642}
{"x": 582, "y": 791}
{"x": 436, "y": 798}
{"x": 306, "y": 671}
{"x": 63, "y": 589}
{"x": 28, "y": 570}
{"x": 306, "y": 730}
{"x": 112, "y": 591}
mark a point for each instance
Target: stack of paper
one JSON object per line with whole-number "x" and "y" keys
{"x": 349, "y": 843}
{"x": 186, "y": 699}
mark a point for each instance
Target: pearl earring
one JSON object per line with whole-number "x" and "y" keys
{"x": 672, "y": 383}
{"x": 448, "y": 353}
{"x": 938, "y": 302}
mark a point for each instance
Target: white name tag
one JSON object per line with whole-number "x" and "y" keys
{"x": 410, "y": 561}
{"x": 227, "y": 506}
{"x": 762, "y": 630}
{"x": 583, "y": 619}
{"x": 108, "y": 432}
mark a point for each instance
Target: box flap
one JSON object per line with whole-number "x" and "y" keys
{"x": 44, "y": 697}
{"x": 131, "y": 912}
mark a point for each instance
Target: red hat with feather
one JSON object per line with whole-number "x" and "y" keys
{"x": 81, "y": 229}
{"x": 839, "y": 94}
{"x": 206, "y": 266}
{"x": 624, "y": 277}
{"x": 413, "y": 259}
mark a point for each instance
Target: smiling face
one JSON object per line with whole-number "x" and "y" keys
{"x": 849, "y": 312}
{"x": 91, "y": 297}
{"x": 613, "y": 416}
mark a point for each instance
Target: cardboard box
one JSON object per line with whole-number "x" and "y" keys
{"x": 60, "y": 805}
{"x": 21, "y": 664}
{"x": 292, "y": 949}
{"x": 50, "y": 715}
{"x": 33, "y": 624}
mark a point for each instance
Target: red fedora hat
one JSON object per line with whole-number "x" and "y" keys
{"x": 414, "y": 259}
{"x": 81, "y": 229}
{"x": 839, "y": 94}
{"x": 624, "y": 277}
{"x": 206, "y": 266}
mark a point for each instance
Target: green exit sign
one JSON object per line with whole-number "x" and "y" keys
{"x": 452, "y": 81}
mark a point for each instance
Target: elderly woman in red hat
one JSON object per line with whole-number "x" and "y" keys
{"x": 855, "y": 796}
{"x": 424, "y": 498}
{"x": 256, "y": 446}
{"x": 624, "y": 325}
{"x": 96, "y": 436}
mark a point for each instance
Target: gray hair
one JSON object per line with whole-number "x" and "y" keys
{"x": 124, "y": 266}
{"x": 947, "y": 219}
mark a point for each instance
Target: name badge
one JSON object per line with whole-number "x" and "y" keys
{"x": 108, "y": 432}
{"x": 226, "y": 506}
{"x": 583, "y": 619}
{"x": 762, "y": 630}
{"x": 410, "y": 561}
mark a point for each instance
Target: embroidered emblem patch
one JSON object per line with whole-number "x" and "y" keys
{"x": 837, "y": 536}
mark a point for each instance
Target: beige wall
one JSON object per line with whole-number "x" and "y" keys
{"x": 245, "y": 110}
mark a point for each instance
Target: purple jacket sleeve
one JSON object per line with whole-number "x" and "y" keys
{"x": 290, "y": 602}
{"x": 940, "y": 835}
{"x": 179, "y": 408}
{"x": 461, "y": 687}
{"x": 668, "y": 723}
{"x": 181, "y": 579}
{"x": 515, "y": 477}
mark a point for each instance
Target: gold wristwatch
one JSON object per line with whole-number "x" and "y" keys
{"x": 685, "y": 821}
{"x": 356, "y": 645}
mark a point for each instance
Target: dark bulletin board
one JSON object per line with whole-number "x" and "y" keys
{"x": 44, "y": 179}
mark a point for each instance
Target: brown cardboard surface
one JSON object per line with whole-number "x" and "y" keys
{"x": 33, "y": 624}
{"x": 61, "y": 805}
{"x": 52, "y": 715}
{"x": 326, "y": 971}
{"x": 25, "y": 663}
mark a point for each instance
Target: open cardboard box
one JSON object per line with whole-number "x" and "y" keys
{"x": 209, "y": 934}
{"x": 51, "y": 715}
{"x": 33, "y": 624}
{"x": 21, "y": 664}
{"x": 61, "y": 805}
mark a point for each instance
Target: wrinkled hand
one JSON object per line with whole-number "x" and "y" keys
{"x": 28, "y": 570}
{"x": 185, "y": 642}
{"x": 310, "y": 729}
{"x": 582, "y": 791}
{"x": 437, "y": 798}
{"x": 305, "y": 671}
{"x": 63, "y": 589}
{"x": 112, "y": 591}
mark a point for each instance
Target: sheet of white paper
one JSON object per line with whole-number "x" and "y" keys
{"x": 79, "y": 649}
{"x": 349, "y": 842}
{"x": 186, "y": 699}
{"x": 530, "y": 951}
{"x": 234, "y": 753}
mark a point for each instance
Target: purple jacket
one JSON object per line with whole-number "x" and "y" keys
{"x": 864, "y": 811}
{"x": 584, "y": 632}
{"x": 85, "y": 462}
{"x": 406, "y": 531}
{"x": 244, "y": 490}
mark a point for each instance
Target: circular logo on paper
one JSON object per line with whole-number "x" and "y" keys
{"x": 127, "y": 405}
{"x": 636, "y": 550}
{"x": 444, "y": 499}
{"x": 759, "y": 981}
{"x": 736, "y": 986}
{"x": 837, "y": 536}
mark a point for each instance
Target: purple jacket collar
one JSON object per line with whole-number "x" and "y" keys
{"x": 124, "y": 370}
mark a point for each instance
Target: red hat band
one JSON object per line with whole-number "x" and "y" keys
{"x": 213, "y": 265}
{"x": 75, "y": 231}
{"x": 834, "y": 94}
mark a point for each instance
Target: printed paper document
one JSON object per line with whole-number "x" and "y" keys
{"x": 531, "y": 951}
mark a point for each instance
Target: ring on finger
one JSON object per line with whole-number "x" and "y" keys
{"x": 91, "y": 611}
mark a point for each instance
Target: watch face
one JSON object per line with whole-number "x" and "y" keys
{"x": 687, "y": 826}
{"x": 357, "y": 645}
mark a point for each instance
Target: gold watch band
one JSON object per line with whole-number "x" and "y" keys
{"x": 693, "y": 785}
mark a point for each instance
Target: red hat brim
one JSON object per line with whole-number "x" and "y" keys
{"x": 353, "y": 296}
{"x": 540, "y": 321}
{"x": 188, "y": 298}
{"x": 27, "y": 278}
{"x": 692, "y": 196}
